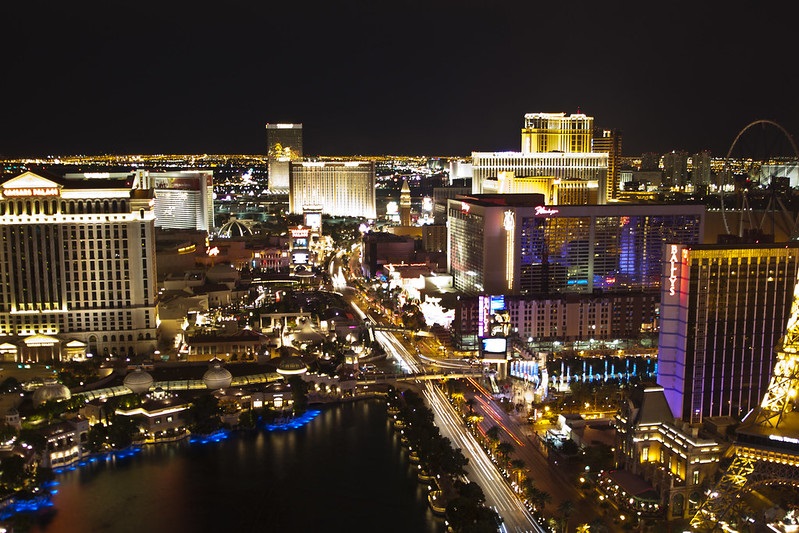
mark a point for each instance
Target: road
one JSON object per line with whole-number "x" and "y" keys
{"x": 546, "y": 473}
{"x": 548, "y": 477}
{"x": 499, "y": 496}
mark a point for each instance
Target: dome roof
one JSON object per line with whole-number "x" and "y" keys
{"x": 51, "y": 390}
{"x": 291, "y": 364}
{"x": 217, "y": 377}
{"x": 138, "y": 381}
{"x": 235, "y": 228}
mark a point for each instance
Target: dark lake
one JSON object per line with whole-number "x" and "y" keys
{"x": 343, "y": 471}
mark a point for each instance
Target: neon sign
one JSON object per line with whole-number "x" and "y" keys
{"x": 673, "y": 270}
{"x": 541, "y": 210}
{"x": 509, "y": 221}
{"x": 31, "y": 191}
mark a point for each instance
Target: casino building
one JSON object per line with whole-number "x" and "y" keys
{"x": 284, "y": 145}
{"x": 77, "y": 262}
{"x": 337, "y": 188}
{"x": 184, "y": 199}
{"x": 723, "y": 310}
{"x": 555, "y": 149}
{"x": 514, "y": 244}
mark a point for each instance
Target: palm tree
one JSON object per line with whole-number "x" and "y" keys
{"x": 492, "y": 434}
{"x": 470, "y": 404}
{"x": 504, "y": 449}
{"x": 458, "y": 398}
{"x": 540, "y": 498}
{"x": 565, "y": 510}
{"x": 474, "y": 419}
{"x": 518, "y": 466}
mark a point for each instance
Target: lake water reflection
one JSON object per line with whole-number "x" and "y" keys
{"x": 344, "y": 471}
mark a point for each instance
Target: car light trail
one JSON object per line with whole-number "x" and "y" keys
{"x": 498, "y": 494}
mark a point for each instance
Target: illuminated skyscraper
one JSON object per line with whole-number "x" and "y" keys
{"x": 514, "y": 244}
{"x": 609, "y": 142}
{"x": 184, "y": 199}
{"x": 339, "y": 188}
{"x": 701, "y": 172}
{"x": 555, "y": 132}
{"x": 675, "y": 169}
{"x": 554, "y": 146}
{"x": 283, "y": 145}
{"x": 77, "y": 259}
{"x": 723, "y": 309}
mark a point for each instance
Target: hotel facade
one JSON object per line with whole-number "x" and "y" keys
{"x": 283, "y": 145}
{"x": 516, "y": 245}
{"x": 183, "y": 199}
{"x": 77, "y": 260}
{"x": 723, "y": 309}
{"x": 338, "y": 188}
{"x": 553, "y": 146}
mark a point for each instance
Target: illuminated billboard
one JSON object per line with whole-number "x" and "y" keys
{"x": 494, "y": 345}
{"x": 497, "y": 303}
{"x": 313, "y": 220}
{"x": 179, "y": 183}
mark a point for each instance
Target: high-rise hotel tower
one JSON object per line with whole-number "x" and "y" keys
{"x": 555, "y": 148}
{"x": 283, "y": 145}
{"x": 336, "y": 188}
{"x": 77, "y": 263}
{"x": 515, "y": 244}
{"x": 723, "y": 309}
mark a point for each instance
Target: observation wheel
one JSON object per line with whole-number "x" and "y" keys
{"x": 758, "y": 203}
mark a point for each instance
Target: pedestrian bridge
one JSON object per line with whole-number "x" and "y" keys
{"x": 240, "y": 381}
{"x": 370, "y": 378}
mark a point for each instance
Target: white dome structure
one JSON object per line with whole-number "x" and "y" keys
{"x": 235, "y": 228}
{"x": 138, "y": 381}
{"x": 290, "y": 365}
{"x": 51, "y": 390}
{"x": 217, "y": 377}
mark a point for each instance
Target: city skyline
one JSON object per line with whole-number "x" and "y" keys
{"x": 437, "y": 78}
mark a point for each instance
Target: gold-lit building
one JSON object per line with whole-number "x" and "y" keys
{"x": 609, "y": 141}
{"x": 338, "y": 188}
{"x": 556, "y": 191}
{"x": 284, "y": 145}
{"x": 77, "y": 260}
{"x": 556, "y": 132}
{"x": 554, "y": 146}
{"x": 678, "y": 459}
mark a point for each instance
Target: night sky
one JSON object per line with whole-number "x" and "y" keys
{"x": 368, "y": 77}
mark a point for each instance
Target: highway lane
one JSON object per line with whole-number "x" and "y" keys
{"x": 499, "y": 496}
{"x": 546, "y": 473}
